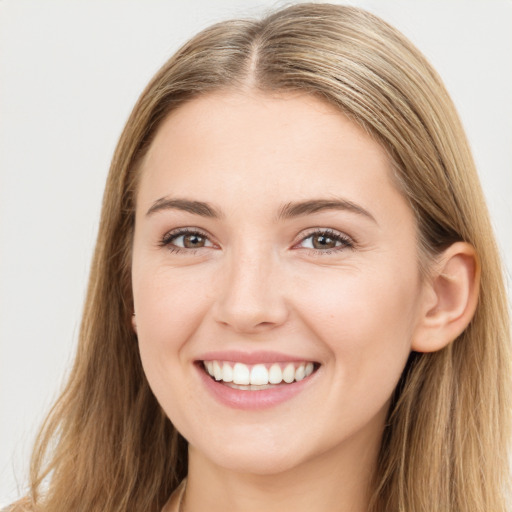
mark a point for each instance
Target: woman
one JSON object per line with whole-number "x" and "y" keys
{"x": 295, "y": 301}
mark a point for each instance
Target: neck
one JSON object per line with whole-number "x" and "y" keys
{"x": 337, "y": 480}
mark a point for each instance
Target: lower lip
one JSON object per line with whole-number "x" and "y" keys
{"x": 248, "y": 399}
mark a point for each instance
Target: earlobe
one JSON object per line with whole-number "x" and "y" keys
{"x": 450, "y": 298}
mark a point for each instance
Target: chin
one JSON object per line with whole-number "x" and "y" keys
{"x": 257, "y": 462}
{"x": 257, "y": 455}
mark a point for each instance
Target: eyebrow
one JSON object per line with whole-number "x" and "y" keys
{"x": 197, "y": 207}
{"x": 299, "y": 209}
{"x": 287, "y": 211}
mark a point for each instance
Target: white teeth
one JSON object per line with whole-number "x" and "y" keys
{"x": 242, "y": 376}
{"x": 300, "y": 373}
{"x": 275, "y": 375}
{"x": 249, "y": 387}
{"x": 227, "y": 373}
{"x": 259, "y": 375}
{"x": 217, "y": 370}
{"x": 289, "y": 373}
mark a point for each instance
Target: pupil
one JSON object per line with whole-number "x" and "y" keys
{"x": 193, "y": 241}
{"x": 321, "y": 242}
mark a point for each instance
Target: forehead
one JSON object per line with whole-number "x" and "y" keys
{"x": 223, "y": 144}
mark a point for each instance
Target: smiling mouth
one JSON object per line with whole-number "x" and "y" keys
{"x": 258, "y": 376}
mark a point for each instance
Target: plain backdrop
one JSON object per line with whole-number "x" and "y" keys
{"x": 70, "y": 72}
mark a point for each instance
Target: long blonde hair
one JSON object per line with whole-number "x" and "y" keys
{"x": 108, "y": 446}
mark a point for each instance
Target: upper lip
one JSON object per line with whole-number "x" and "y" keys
{"x": 260, "y": 356}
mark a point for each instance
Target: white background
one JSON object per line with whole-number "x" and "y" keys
{"x": 70, "y": 72}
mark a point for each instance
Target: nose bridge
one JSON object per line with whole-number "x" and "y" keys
{"x": 251, "y": 297}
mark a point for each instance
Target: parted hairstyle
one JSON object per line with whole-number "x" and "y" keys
{"x": 108, "y": 446}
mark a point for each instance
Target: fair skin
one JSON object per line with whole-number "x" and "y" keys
{"x": 338, "y": 286}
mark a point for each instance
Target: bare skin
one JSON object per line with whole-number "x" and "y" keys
{"x": 338, "y": 285}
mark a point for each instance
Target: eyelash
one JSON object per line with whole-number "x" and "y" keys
{"x": 346, "y": 242}
{"x": 169, "y": 237}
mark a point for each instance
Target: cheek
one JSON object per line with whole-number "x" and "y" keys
{"x": 170, "y": 305}
{"x": 354, "y": 301}
{"x": 364, "y": 319}
{"x": 169, "y": 302}
{"x": 365, "y": 323}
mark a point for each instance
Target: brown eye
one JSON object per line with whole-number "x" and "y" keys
{"x": 193, "y": 241}
{"x": 323, "y": 242}
{"x": 185, "y": 239}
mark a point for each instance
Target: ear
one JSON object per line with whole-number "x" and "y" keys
{"x": 449, "y": 299}
{"x": 134, "y": 323}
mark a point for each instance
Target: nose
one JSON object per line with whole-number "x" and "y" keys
{"x": 251, "y": 294}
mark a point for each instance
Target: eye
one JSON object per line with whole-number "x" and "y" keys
{"x": 326, "y": 241}
{"x": 185, "y": 239}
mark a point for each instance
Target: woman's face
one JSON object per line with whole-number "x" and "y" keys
{"x": 270, "y": 243}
